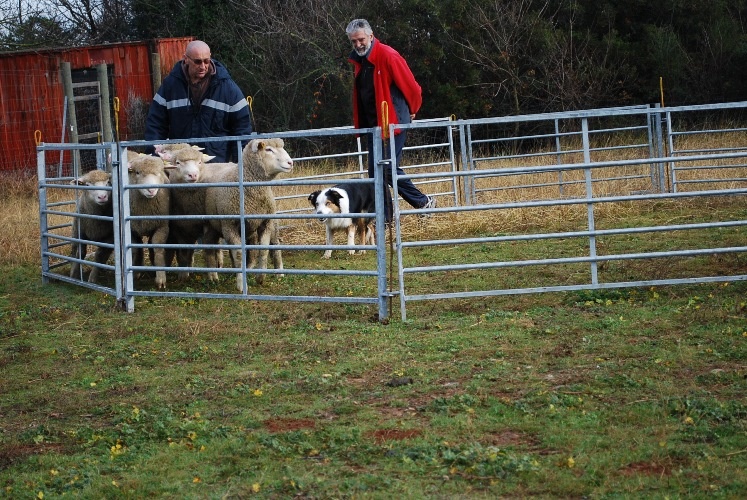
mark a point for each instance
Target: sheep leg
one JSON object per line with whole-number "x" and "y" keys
{"x": 159, "y": 255}
{"x": 101, "y": 256}
{"x": 233, "y": 237}
{"x": 78, "y": 251}
{"x": 184, "y": 258}
{"x": 264, "y": 235}
{"x": 277, "y": 254}
{"x": 137, "y": 254}
{"x": 213, "y": 258}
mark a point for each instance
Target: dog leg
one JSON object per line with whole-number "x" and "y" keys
{"x": 328, "y": 253}
{"x": 351, "y": 237}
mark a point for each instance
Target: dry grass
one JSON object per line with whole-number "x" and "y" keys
{"x": 19, "y": 218}
{"x": 19, "y": 205}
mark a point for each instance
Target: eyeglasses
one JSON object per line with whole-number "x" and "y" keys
{"x": 198, "y": 62}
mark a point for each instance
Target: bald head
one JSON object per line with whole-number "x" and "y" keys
{"x": 196, "y": 48}
{"x": 197, "y": 60}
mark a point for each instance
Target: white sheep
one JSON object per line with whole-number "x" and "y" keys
{"x": 188, "y": 167}
{"x": 263, "y": 160}
{"x": 95, "y": 202}
{"x": 151, "y": 202}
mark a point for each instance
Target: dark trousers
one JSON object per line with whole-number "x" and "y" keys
{"x": 407, "y": 190}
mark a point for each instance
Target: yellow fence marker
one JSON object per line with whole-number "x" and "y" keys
{"x": 116, "y": 116}
{"x": 385, "y": 118}
{"x": 250, "y": 101}
{"x": 661, "y": 90}
{"x": 38, "y": 136}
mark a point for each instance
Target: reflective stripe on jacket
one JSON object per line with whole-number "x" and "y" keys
{"x": 222, "y": 112}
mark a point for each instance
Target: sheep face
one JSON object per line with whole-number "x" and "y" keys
{"x": 272, "y": 154}
{"x": 147, "y": 170}
{"x": 95, "y": 178}
{"x": 188, "y": 165}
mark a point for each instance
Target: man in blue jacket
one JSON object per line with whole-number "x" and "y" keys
{"x": 199, "y": 99}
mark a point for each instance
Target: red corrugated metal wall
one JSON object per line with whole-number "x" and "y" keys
{"x": 32, "y": 95}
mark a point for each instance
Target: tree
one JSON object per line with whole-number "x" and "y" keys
{"x": 289, "y": 59}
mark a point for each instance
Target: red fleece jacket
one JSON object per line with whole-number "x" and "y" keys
{"x": 390, "y": 68}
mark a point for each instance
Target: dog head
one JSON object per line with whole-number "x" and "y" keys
{"x": 329, "y": 201}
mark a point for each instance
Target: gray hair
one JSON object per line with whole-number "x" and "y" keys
{"x": 358, "y": 24}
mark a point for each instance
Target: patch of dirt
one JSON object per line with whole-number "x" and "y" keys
{"x": 398, "y": 412}
{"x": 382, "y": 435}
{"x": 647, "y": 469}
{"x": 511, "y": 438}
{"x": 12, "y": 453}
{"x": 562, "y": 351}
{"x": 289, "y": 424}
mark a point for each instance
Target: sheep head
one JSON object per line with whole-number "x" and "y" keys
{"x": 166, "y": 151}
{"x": 187, "y": 164}
{"x": 95, "y": 178}
{"x": 147, "y": 169}
{"x": 271, "y": 154}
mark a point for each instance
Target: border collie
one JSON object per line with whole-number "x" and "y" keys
{"x": 346, "y": 199}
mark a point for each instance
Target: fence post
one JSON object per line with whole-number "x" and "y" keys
{"x": 106, "y": 115}
{"x": 155, "y": 66}
{"x": 123, "y": 278}
{"x": 659, "y": 150}
{"x": 41, "y": 176}
{"x": 589, "y": 196}
{"x": 67, "y": 83}
{"x": 380, "y": 191}
{"x": 672, "y": 187}
{"x": 469, "y": 180}
{"x": 559, "y": 159}
{"x": 454, "y": 166}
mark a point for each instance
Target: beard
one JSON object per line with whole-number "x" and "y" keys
{"x": 363, "y": 51}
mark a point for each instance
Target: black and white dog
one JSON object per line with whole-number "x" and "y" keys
{"x": 346, "y": 199}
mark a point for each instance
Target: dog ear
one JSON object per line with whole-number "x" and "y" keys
{"x": 313, "y": 196}
{"x": 335, "y": 196}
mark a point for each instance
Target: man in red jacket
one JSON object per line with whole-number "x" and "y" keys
{"x": 382, "y": 75}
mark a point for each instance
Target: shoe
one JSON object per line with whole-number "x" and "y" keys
{"x": 430, "y": 204}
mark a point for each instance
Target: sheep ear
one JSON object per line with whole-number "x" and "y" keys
{"x": 165, "y": 155}
{"x": 257, "y": 144}
{"x": 198, "y": 148}
{"x": 206, "y": 158}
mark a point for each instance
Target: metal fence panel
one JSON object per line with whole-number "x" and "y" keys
{"x": 573, "y": 167}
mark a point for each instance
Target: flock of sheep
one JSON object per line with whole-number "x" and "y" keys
{"x": 263, "y": 160}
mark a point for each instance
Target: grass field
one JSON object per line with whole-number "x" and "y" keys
{"x": 624, "y": 393}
